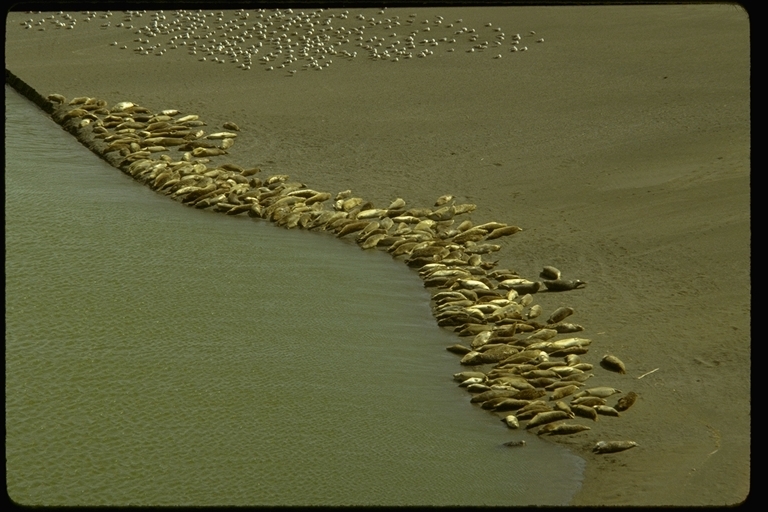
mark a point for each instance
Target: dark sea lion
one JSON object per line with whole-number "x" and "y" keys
{"x": 562, "y": 285}
{"x": 560, "y": 314}
{"x": 526, "y": 288}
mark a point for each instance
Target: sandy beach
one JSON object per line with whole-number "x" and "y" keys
{"x": 620, "y": 144}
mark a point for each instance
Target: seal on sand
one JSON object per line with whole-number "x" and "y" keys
{"x": 563, "y": 285}
{"x": 613, "y": 364}
{"x": 626, "y": 401}
{"x": 613, "y": 446}
{"x": 549, "y": 273}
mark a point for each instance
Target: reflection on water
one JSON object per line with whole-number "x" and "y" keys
{"x": 163, "y": 355}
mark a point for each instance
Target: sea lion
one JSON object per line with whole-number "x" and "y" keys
{"x": 566, "y": 328}
{"x": 532, "y": 412}
{"x": 527, "y": 288}
{"x": 560, "y": 314}
{"x": 562, "y": 285}
{"x": 626, "y": 401}
{"x": 478, "y": 388}
{"x": 613, "y": 363}
{"x": 511, "y": 421}
{"x": 444, "y": 213}
{"x": 563, "y": 392}
{"x": 572, "y": 360}
{"x": 119, "y": 107}
{"x": 373, "y": 240}
{"x": 493, "y": 393}
{"x": 584, "y": 411}
{"x": 549, "y": 273}
{"x": 562, "y": 406}
{"x": 541, "y": 382}
{"x": 613, "y": 446}
{"x": 230, "y": 126}
{"x": 515, "y": 444}
{"x": 566, "y": 371}
{"x": 534, "y": 312}
{"x": 317, "y": 198}
{"x": 509, "y": 404}
{"x": 505, "y": 231}
{"x": 606, "y": 410}
{"x": 508, "y": 283}
{"x": 535, "y": 404}
{"x": 458, "y": 348}
{"x": 352, "y": 227}
{"x": 535, "y": 374}
{"x": 543, "y": 334}
{"x": 493, "y": 403}
{"x": 221, "y": 135}
{"x": 588, "y": 401}
{"x": 198, "y": 152}
{"x": 462, "y": 376}
{"x": 600, "y": 392}
{"x": 58, "y": 98}
{"x": 471, "y": 380}
{"x": 481, "y": 249}
{"x": 465, "y": 208}
{"x": 481, "y": 339}
{"x": 569, "y": 342}
{"x": 529, "y": 394}
{"x": 562, "y": 429}
{"x": 567, "y": 351}
{"x": 546, "y": 417}
{"x": 190, "y": 117}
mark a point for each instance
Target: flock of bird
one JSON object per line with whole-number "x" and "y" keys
{"x": 292, "y": 40}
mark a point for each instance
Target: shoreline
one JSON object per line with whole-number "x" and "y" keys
{"x": 570, "y": 215}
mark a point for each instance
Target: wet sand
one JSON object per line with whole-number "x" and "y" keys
{"x": 621, "y": 145}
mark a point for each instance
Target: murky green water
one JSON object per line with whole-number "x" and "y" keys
{"x": 162, "y": 355}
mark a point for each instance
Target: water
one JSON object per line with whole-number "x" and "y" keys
{"x": 162, "y": 355}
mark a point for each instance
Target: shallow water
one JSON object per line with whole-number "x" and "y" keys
{"x": 163, "y": 355}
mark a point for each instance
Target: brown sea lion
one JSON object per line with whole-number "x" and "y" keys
{"x": 613, "y": 363}
{"x": 626, "y": 401}
{"x": 562, "y": 285}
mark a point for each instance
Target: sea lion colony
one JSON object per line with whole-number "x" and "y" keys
{"x": 525, "y": 372}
